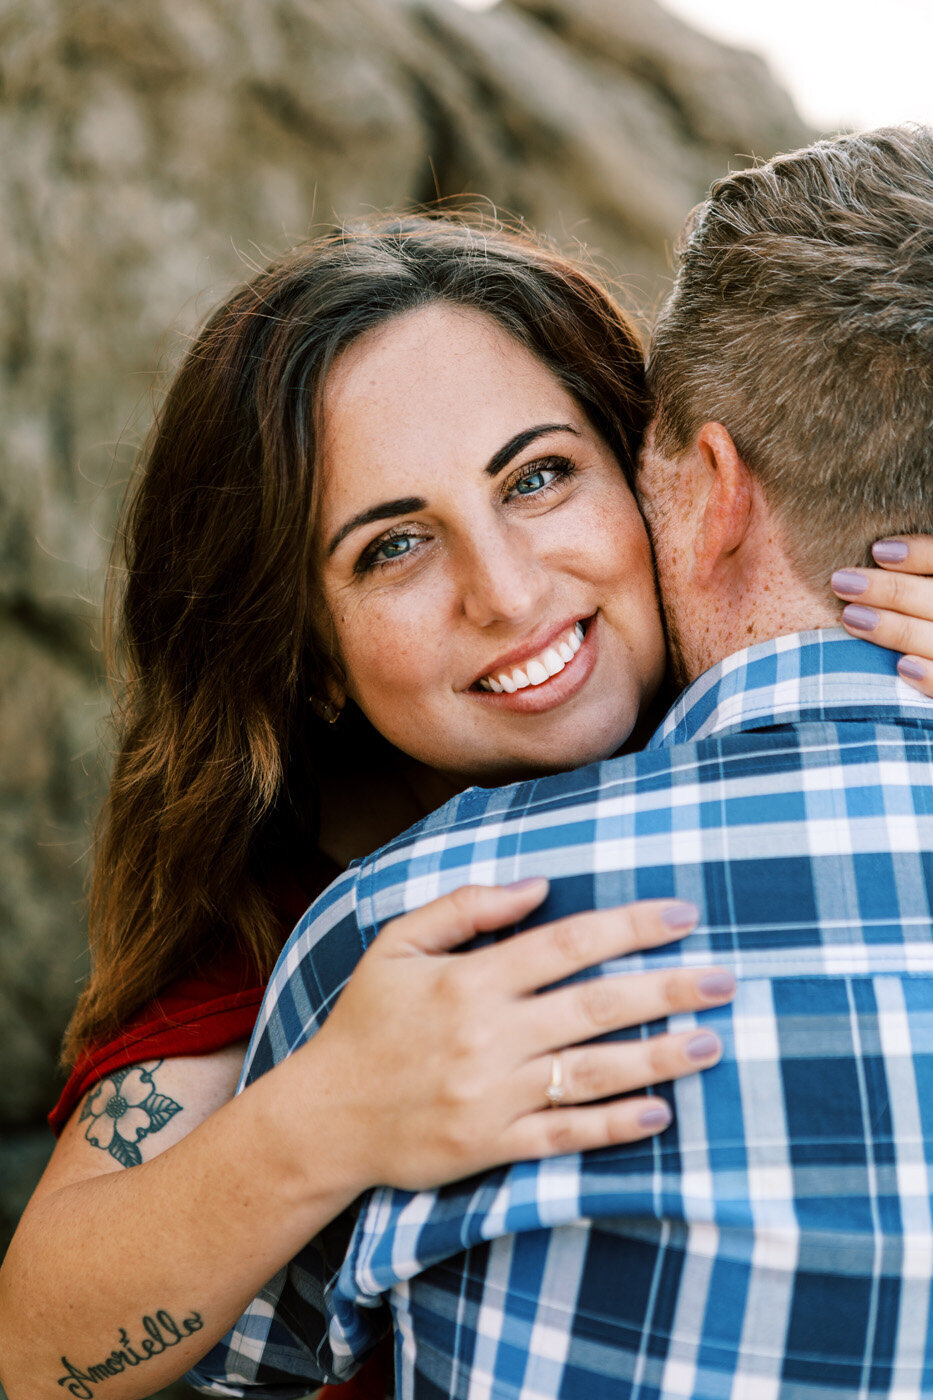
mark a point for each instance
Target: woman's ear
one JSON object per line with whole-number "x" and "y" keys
{"x": 727, "y": 514}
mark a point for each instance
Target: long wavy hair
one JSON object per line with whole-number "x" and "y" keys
{"x": 217, "y": 631}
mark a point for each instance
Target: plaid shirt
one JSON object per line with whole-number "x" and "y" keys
{"x": 775, "y": 1242}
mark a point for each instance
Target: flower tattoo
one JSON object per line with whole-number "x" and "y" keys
{"x": 123, "y": 1109}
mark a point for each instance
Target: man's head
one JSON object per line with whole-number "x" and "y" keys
{"x": 792, "y": 375}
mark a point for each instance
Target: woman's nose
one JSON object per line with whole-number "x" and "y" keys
{"x": 502, "y": 581}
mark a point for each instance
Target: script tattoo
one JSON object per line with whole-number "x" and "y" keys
{"x": 162, "y": 1332}
{"x": 125, "y": 1108}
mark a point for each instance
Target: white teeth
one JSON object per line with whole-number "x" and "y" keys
{"x": 538, "y": 669}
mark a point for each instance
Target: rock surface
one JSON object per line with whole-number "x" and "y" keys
{"x": 153, "y": 151}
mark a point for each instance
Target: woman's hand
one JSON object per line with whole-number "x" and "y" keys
{"x": 893, "y": 605}
{"x": 445, "y": 1057}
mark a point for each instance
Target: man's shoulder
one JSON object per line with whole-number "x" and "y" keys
{"x": 771, "y": 749}
{"x": 492, "y": 835}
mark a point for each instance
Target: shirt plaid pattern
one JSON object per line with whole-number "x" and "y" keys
{"x": 775, "y": 1242}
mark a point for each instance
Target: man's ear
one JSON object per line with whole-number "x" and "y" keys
{"x": 728, "y": 510}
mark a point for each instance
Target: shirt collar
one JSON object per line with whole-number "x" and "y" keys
{"x": 808, "y": 675}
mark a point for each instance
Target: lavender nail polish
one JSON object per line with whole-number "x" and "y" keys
{"x": 701, "y": 1046}
{"x": 848, "y": 581}
{"x": 655, "y": 1117}
{"x": 717, "y": 984}
{"x": 681, "y": 915}
{"x": 863, "y": 619}
{"x": 911, "y": 670}
{"x": 890, "y": 551}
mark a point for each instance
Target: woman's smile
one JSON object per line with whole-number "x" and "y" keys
{"x": 532, "y": 681}
{"x": 486, "y": 569}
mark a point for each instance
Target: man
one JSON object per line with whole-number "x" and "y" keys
{"x": 776, "y": 1240}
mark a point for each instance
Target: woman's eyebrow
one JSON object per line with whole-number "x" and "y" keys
{"x": 386, "y": 510}
{"x": 522, "y": 440}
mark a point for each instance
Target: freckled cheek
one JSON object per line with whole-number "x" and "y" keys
{"x": 390, "y": 653}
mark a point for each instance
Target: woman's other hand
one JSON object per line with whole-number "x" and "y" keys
{"x": 443, "y": 1059}
{"x": 893, "y": 604}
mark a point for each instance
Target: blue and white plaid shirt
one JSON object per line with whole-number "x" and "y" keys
{"x": 775, "y": 1242}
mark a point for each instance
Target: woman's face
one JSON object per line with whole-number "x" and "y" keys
{"x": 487, "y": 571}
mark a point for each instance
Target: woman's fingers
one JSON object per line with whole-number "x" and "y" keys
{"x": 576, "y": 1014}
{"x": 911, "y": 554}
{"x": 910, "y": 594}
{"x": 589, "y": 1072}
{"x": 453, "y": 919}
{"x": 894, "y": 610}
{"x": 552, "y": 952}
{"x": 561, "y": 1130}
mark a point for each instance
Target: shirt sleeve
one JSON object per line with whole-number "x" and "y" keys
{"x": 196, "y": 1015}
{"x": 295, "y": 1335}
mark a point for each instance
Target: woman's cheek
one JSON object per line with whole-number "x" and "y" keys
{"x": 390, "y": 657}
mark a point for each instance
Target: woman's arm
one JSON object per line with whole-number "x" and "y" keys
{"x": 432, "y": 1065}
{"x": 892, "y": 605}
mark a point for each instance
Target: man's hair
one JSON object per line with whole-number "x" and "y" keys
{"x": 802, "y": 320}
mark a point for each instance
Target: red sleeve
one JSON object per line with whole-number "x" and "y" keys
{"x": 194, "y": 1015}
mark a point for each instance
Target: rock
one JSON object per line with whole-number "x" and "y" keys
{"x": 22, "y": 1160}
{"x": 154, "y": 152}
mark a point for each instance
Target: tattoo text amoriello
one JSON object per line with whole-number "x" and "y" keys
{"x": 161, "y": 1332}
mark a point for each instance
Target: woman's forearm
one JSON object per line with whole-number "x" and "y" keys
{"x": 130, "y": 1276}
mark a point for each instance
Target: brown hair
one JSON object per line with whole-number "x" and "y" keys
{"x": 218, "y": 624}
{"x": 802, "y": 319}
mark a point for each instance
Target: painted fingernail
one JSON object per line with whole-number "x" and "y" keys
{"x": 848, "y": 581}
{"x": 701, "y": 1046}
{"x": 717, "y": 984}
{"x": 911, "y": 670}
{"x": 681, "y": 915}
{"x": 862, "y": 619}
{"x": 527, "y": 883}
{"x": 655, "y": 1117}
{"x": 890, "y": 551}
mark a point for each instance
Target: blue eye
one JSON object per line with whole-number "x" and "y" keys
{"x": 529, "y": 484}
{"x": 385, "y": 551}
{"x": 540, "y": 476}
{"x": 392, "y": 549}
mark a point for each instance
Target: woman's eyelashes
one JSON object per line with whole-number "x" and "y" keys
{"x": 533, "y": 480}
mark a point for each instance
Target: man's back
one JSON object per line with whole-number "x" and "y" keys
{"x": 776, "y": 1240}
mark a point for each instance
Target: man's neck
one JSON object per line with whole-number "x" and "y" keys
{"x": 769, "y": 609}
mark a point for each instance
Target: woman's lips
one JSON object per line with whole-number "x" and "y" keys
{"x": 556, "y": 690}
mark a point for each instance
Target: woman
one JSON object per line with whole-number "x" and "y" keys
{"x": 498, "y": 621}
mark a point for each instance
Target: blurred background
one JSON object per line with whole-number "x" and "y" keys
{"x": 154, "y": 151}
